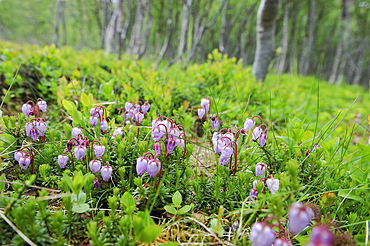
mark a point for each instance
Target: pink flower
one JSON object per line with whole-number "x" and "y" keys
{"x": 299, "y": 217}
{"x": 106, "y": 172}
{"x": 249, "y": 124}
{"x": 99, "y": 150}
{"x": 62, "y": 160}
{"x": 95, "y": 166}
{"x": 141, "y": 165}
{"x": 262, "y": 235}
{"x": 260, "y": 168}
{"x": 273, "y": 185}
{"x": 201, "y": 112}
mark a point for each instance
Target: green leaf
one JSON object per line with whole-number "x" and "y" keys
{"x": 307, "y": 135}
{"x": 85, "y": 100}
{"x": 177, "y": 199}
{"x": 68, "y": 106}
{"x": 170, "y": 209}
{"x": 220, "y": 230}
{"x": 81, "y": 208}
{"x": 128, "y": 203}
{"x": 364, "y": 150}
{"x": 184, "y": 209}
{"x": 78, "y": 181}
{"x": 69, "y": 182}
{"x": 286, "y": 140}
{"x": 149, "y": 234}
{"x": 7, "y": 140}
{"x": 76, "y": 116}
{"x": 352, "y": 195}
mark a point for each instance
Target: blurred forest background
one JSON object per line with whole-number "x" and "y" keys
{"x": 312, "y": 36}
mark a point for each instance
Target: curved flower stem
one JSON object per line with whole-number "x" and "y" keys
{"x": 237, "y": 134}
{"x": 149, "y": 153}
{"x": 256, "y": 116}
{"x": 219, "y": 132}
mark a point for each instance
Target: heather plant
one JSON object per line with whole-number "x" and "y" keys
{"x": 230, "y": 168}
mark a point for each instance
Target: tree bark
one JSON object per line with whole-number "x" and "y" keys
{"x": 147, "y": 30}
{"x": 284, "y": 43}
{"x": 168, "y": 36}
{"x": 111, "y": 28}
{"x": 184, "y": 29}
{"x": 64, "y": 26}
{"x": 265, "y": 51}
{"x": 125, "y": 27}
{"x": 221, "y": 45}
{"x": 292, "y": 58}
{"x": 305, "y": 64}
{"x": 58, "y": 15}
{"x": 348, "y": 22}
{"x": 201, "y": 31}
{"x": 135, "y": 41}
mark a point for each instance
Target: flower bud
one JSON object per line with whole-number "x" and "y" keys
{"x": 34, "y": 134}
{"x": 28, "y": 126}
{"x": 141, "y": 165}
{"x": 253, "y": 194}
{"x": 106, "y": 172}
{"x": 96, "y": 183}
{"x": 273, "y": 185}
{"x": 201, "y": 112}
{"x": 42, "y": 105}
{"x": 153, "y": 168}
{"x": 262, "y": 235}
{"x": 69, "y": 145}
{"x": 249, "y": 124}
{"x": 99, "y": 150}
{"x": 94, "y": 166}
{"x": 171, "y": 144}
{"x": 215, "y": 123}
{"x": 260, "y": 168}
{"x": 145, "y": 108}
{"x": 80, "y": 152}
{"x": 157, "y": 148}
{"x": 299, "y": 217}
{"x": 205, "y": 103}
{"x": 62, "y": 160}
{"x": 256, "y": 133}
{"x": 93, "y": 120}
{"x": 263, "y": 139}
{"x": 104, "y": 125}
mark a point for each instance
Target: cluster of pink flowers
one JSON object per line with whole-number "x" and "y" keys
{"x": 271, "y": 183}
{"x": 99, "y": 114}
{"x": 37, "y": 126}
{"x": 151, "y": 165}
{"x": 259, "y": 132}
{"x": 299, "y": 217}
{"x": 205, "y": 107}
{"x": 84, "y": 149}
{"x": 135, "y": 112}
{"x": 25, "y": 157}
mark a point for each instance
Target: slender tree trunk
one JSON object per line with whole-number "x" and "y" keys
{"x": 201, "y": 31}
{"x": 348, "y": 27}
{"x": 119, "y": 28}
{"x": 307, "y": 53}
{"x": 58, "y": 14}
{"x": 105, "y": 17}
{"x": 136, "y": 40}
{"x": 282, "y": 56}
{"x": 147, "y": 30}
{"x": 360, "y": 65}
{"x": 125, "y": 26}
{"x": 168, "y": 36}
{"x": 184, "y": 29}
{"x": 265, "y": 51}
{"x": 64, "y": 26}
{"x": 221, "y": 45}
{"x": 292, "y": 55}
{"x": 111, "y": 28}
{"x": 240, "y": 31}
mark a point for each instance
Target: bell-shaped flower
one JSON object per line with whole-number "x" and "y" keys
{"x": 80, "y": 152}
{"x": 218, "y": 145}
{"x": 228, "y": 135}
{"x": 106, "y": 172}
{"x": 76, "y": 131}
{"x": 137, "y": 108}
{"x": 18, "y": 155}
{"x": 263, "y": 139}
{"x": 204, "y": 103}
{"x": 24, "y": 162}
{"x": 99, "y": 150}
{"x": 153, "y": 168}
{"x": 180, "y": 142}
{"x": 253, "y": 194}
{"x": 62, "y": 160}
{"x": 321, "y": 235}
{"x": 299, "y": 217}
{"x": 95, "y": 166}
{"x": 262, "y": 235}
{"x": 224, "y": 159}
{"x": 171, "y": 144}
{"x": 141, "y": 165}
{"x": 28, "y": 126}
{"x": 41, "y": 128}
{"x": 145, "y": 108}
{"x": 157, "y": 148}
{"x": 156, "y": 134}
{"x": 260, "y": 168}
{"x": 273, "y": 185}
{"x": 69, "y": 145}
{"x": 96, "y": 109}
{"x": 34, "y": 134}
{"x": 249, "y": 124}
{"x": 93, "y": 120}
{"x": 116, "y": 132}
{"x": 215, "y": 123}
{"x": 128, "y": 106}
{"x": 282, "y": 242}
{"x": 174, "y": 132}
{"x": 104, "y": 125}
{"x": 42, "y": 105}
{"x": 201, "y": 112}
{"x": 256, "y": 133}
{"x": 139, "y": 117}
{"x": 26, "y": 108}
